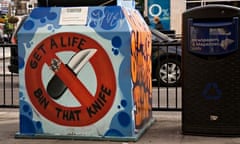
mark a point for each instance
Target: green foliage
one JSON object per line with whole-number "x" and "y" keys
{"x": 9, "y": 22}
{"x": 13, "y": 19}
{"x": 8, "y": 28}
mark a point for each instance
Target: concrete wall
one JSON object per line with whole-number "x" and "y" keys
{"x": 177, "y": 8}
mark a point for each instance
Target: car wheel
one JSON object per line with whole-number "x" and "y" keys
{"x": 169, "y": 73}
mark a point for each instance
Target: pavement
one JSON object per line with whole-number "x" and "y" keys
{"x": 165, "y": 130}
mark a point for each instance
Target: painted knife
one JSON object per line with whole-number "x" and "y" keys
{"x": 56, "y": 87}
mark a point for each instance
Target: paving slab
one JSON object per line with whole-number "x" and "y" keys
{"x": 165, "y": 130}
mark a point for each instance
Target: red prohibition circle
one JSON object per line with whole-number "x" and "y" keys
{"x": 92, "y": 108}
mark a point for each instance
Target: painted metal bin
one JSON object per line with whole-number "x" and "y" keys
{"x": 85, "y": 73}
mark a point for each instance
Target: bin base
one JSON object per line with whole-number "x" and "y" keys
{"x": 223, "y": 131}
{"x": 90, "y": 138}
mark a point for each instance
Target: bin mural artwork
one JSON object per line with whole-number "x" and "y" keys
{"x": 84, "y": 71}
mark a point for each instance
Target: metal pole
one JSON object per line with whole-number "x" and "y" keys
{"x": 145, "y": 13}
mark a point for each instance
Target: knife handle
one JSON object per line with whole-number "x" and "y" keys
{"x": 56, "y": 87}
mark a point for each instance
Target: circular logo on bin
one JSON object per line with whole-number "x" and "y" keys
{"x": 45, "y": 97}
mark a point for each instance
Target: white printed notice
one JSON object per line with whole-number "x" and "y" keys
{"x": 73, "y": 16}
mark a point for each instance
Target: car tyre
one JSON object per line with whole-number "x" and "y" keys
{"x": 168, "y": 73}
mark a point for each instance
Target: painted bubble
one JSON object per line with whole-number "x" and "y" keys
{"x": 28, "y": 25}
{"x": 117, "y": 42}
{"x": 124, "y": 119}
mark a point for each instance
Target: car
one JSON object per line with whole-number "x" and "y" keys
{"x": 166, "y": 59}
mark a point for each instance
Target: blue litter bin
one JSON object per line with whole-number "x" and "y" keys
{"x": 85, "y": 73}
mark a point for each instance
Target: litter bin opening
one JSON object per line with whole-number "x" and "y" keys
{"x": 212, "y": 37}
